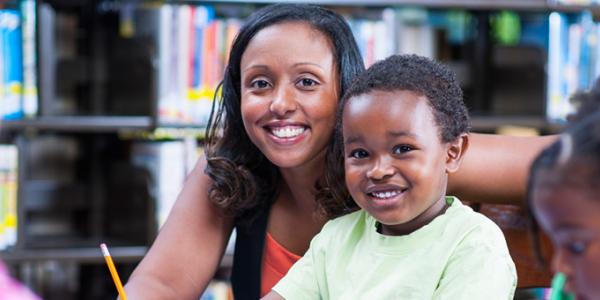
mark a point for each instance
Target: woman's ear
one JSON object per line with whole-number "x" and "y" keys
{"x": 455, "y": 152}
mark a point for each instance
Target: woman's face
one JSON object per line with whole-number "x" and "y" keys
{"x": 570, "y": 215}
{"x": 289, "y": 91}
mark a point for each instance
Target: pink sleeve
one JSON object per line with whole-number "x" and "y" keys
{"x": 10, "y": 289}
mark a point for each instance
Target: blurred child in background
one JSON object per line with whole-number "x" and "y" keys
{"x": 565, "y": 198}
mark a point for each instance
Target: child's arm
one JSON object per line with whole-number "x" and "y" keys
{"x": 495, "y": 168}
{"x": 480, "y": 267}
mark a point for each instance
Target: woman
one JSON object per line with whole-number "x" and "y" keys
{"x": 288, "y": 67}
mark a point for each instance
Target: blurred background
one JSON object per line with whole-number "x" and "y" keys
{"x": 103, "y": 106}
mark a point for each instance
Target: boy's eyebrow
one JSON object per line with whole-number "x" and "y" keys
{"x": 401, "y": 133}
{"x": 352, "y": 139}
{"x": 355, "y": 138}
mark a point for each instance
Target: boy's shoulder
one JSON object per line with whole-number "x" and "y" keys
{"x": 352, "y": 219}
{"x": 346, "y": 224}
{"x": 475, "y": 226}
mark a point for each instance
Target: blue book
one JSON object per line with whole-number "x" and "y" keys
{"x": 10, "y": 26}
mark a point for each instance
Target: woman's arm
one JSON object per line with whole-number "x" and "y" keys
{"x": 495, "y": 168}
{"x": 188, "y": 249}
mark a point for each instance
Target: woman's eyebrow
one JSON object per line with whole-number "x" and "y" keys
{"x": 308, "y": 63}
{"x": 265, "y": 67}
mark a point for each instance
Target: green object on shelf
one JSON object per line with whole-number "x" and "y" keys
{"x": 558, "y": 286}
{"x": 506, "y": 28}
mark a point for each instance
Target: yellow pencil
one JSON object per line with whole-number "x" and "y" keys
{"x": 113, "y": 271}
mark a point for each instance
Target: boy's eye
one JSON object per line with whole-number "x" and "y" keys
{"x": 307, "y": 82}
{"x": 577, "y": 247}
{"x": 399, "y": 149}
{"x": 359, "y": 153}
{"x": 259, "y": 84}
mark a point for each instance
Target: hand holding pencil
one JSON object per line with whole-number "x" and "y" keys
{"x": 113, "y": 271}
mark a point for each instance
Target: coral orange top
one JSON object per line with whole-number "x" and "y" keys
{"x": 276, "y": 262}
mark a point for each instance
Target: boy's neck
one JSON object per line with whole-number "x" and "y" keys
{"x": 437, "y": 209}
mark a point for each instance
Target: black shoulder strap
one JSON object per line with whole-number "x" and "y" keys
{"x": 247, "y": 259}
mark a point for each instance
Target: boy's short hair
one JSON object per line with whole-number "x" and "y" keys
{"x": 423, "y": 76}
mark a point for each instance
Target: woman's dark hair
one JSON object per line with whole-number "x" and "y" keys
{"x": 244, "y": 180}
{"x": 574, "y": 158}
{"x": 398, "y": 72}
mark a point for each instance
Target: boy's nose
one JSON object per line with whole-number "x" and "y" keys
{"x": 381, "y": 169}
{"x": 283, "y": 102}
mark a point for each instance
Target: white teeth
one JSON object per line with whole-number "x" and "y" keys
{"x": 385, "y": 195}
{"x": 287, "y": 132}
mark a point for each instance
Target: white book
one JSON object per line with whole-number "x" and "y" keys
{"x": 30, "y": 92}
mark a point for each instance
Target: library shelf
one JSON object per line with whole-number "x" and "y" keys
{"x": 87, "y": 254}
{"x": 123, "y": 254}
{"x": 487, "y": 123}
{"x": 81, "y": 123}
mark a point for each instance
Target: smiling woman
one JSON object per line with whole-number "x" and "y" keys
{"x": 287, "y": 69}
{"x": 289, "y": 95}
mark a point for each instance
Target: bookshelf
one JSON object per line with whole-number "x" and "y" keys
{"x": 104, "y": 118}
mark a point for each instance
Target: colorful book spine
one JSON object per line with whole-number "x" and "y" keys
{"x": 8, "y": 195}
{"x": 12, "y": 65}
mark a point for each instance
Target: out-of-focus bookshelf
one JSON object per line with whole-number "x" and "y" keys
{"x": 103, "y": 105}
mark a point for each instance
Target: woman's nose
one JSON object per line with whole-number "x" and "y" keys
{"x": 283, "y": 102}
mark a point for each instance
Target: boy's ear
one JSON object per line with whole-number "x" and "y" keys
{"x": 455, "y": 152}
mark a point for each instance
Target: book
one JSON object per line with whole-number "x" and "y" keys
{"x": 165, "y": 162}
{"x": 12, "y": 64}
{"x": 8, "y": 196}
{"x": 30, "y": 92}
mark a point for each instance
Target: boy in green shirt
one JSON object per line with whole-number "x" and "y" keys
{"x": 402, "y": 128}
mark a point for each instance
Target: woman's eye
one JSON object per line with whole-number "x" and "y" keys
{"x": 359, "y": 153}
{"x": 402, "y": 149}
{"x": 259, "y": 84}
{"x": 577, "y": 247}
{"x": 307, "y": 82}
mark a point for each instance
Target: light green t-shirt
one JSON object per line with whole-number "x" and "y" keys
{"x": 459, "y": 255}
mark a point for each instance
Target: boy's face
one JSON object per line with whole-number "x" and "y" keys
{"x": 396, "y": 165}
{"x": 570, "y": 216}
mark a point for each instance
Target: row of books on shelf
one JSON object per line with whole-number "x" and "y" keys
{"x": 18, "y": 79}
{"x": 193, "y": 46}
{"x": 576, "y": 2}
{"x": 193, "y": 42}
{"x": 573, "y": 60}
{"x": 168, "y": 163}
{"x": 8, "y": 196}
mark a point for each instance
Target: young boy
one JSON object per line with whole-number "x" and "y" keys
{"x": 402, "y": 128}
